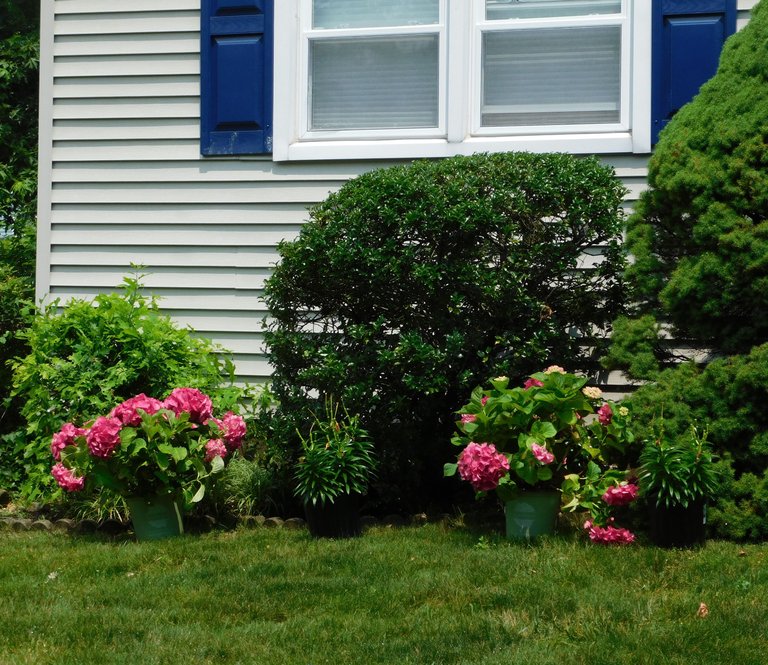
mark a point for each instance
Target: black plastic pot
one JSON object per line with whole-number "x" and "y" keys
{"x": 340, "y": 519}
{"x": 678, "y": 526}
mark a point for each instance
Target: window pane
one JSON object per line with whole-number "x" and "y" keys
{"x": 503, "y": 9}
{"x": 373, "y": 13}
{"x": 374, "y": 83}
{"x": 551, "y": 76}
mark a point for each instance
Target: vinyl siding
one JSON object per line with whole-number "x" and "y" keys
{"x": 122, "y": 180}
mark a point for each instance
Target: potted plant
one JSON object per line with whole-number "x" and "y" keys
{"x": 677, "y": 477}
{"x": 334, "y": 470}
{"x": 531, "y": 443}
{"x": 159, "y": 455}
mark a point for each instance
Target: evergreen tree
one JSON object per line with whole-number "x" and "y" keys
{"x": 699, "y": 236}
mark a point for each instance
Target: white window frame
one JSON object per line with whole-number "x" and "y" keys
{"x": 459, "y": 130}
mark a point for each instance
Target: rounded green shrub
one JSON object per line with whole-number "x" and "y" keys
{"x": 699, "y": 236}
{"x": 87, "y": 356}
{"x": 413, "y": 284}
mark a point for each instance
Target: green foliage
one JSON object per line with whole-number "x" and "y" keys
{"x": 337, "y": 458}
{"x": 412, "y": 284}
{"x": 552, "y": 416}
{"x": 88, "y": 356}
{"x": 700, "y": 232}
{"x": 18, "y": 190}
{"x": 678, "y": 472}
{"x": 729, "y": 396}
{"x": 18, "y": 116}
{"x": 16, "y": 293}
{"x": 164, "y": 454}
{"x": 742, "y": 512}
{"x": 636, "y": 347}
{"x": 244, "y": 488}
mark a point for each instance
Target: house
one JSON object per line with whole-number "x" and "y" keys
{"x": 190, "y": 137}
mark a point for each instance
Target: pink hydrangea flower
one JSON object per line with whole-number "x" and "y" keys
{"x": 104, "y": 436}
{"x": 609, "y": 535}
{"x": 554, "y": 369}
{"x": 483, "y": 466}
{"x": 128, "y": 413}
{"x": 215, "y": 448}
{"x": 620, "y": 495}
{"x": 65, "y": 437}
{"x": 532, "y": 383}
{"x": 542, "y": 454}
{"x": 468, "y": 418}
{"x": 232, "y": 429}
{"x": 192, "y": 401}
{"x": 66, "y": 478}
{"x": 605, "y": 414}
{"x": 484, "y": 400}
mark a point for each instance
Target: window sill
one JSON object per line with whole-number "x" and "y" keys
{"x": 608, "y": 143}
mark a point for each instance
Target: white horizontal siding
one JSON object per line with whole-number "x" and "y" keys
{"x": 157, "y": 43}
{"x": 182, "y": 213}
{"x": 744, "y": 7}
{"x": 127, "y": 22}
{"x": 69, "y": 7}
{"x": 74, "y": 257}
{"x": 122, "y": 180}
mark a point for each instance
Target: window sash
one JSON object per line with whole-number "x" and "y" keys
{"x": 374, "y": 83}
{"x": 547, "y": 122}
{"x": 313, "y": 39}
{"x": 551, "y": 76}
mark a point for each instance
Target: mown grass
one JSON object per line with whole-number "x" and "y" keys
{"x": 415, "y": 595}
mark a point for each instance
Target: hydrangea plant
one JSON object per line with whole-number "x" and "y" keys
{"x": 553, "y": 432}
{"x": 147, "y": 447}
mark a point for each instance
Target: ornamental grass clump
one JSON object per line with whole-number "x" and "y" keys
{"x": 553, "y": 432}
{"x": 146, "y": 447}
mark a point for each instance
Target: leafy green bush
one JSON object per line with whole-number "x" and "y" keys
{"x": 742, "y": 512}
{"x": 728, "y": 397}
{"x": 19, "y": 55}
{"x": 19, "y": 23}
{"x": 700, "y": 232}
{"x": 244, "y": 488}
{"x": 411, "y": 285}
{"x": 89, "y": 356}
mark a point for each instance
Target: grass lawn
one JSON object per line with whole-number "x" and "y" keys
{"x": 415, "y": 595}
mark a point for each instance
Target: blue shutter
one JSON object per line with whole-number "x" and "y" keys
{"x": 236, "y": 55}
{"x": 688, "y": 36}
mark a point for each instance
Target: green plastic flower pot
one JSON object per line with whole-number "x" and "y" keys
{"x": 532, "y": 514}
{"x": 155, "y": 518}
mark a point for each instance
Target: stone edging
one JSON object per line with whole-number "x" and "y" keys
{"x": 197, "y": 524}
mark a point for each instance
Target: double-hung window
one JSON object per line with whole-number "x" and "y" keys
{"x": 431, "y": 78}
